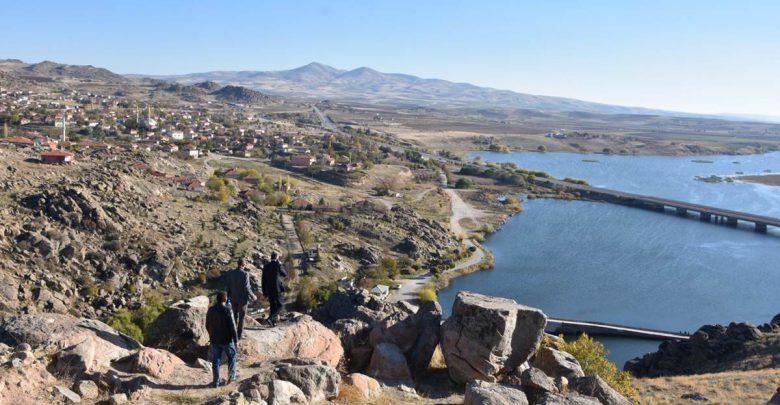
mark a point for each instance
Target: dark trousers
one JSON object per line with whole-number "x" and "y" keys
{"x": 276, "y": 307}
{"x": 216, "y": 358}
{"x": 239, "y": 312}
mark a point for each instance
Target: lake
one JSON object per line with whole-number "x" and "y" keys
{"x": 603, "y": 262}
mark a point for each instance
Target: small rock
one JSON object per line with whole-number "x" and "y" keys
{"x": 594, "y": 386}
{"x": 283, "y": 393}
{"x": 67, "y": 395}
{"x": 117, "y": 399}
{"x": 368, "y": 387}
{"x": 695, "y": 397}
{"x": 23, "y": 347}
{"x": 484, "y": 393}
{"x": 87, "y": 389}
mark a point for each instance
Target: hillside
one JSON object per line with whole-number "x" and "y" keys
{"x": 243, "y": 95}
{"x": 48, "y": 70}
{"x": 364, "y": 84}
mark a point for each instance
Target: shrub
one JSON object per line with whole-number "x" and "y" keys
{"x": 310, "y": 295}
{"x": 428, "y": 294}
{"x": 134, "y": 323}
{"x": 593, "y": 358}
{"x": 464, "y": 183}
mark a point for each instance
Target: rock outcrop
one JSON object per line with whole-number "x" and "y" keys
{"x": 556, "y": 363}
{"x": 296, "y": 336}
{"x": 483, "y": 393}
{"x": 488, "y": 336}
{"x": 77, "y": 345}
{"x": 314, "y": 379}
{"x": 181, "y": 329}
{"x": 712, "y": 349}
{"x": 363, "y": 322}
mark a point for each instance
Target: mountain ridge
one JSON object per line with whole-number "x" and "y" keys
{"x": 365, "y": 84}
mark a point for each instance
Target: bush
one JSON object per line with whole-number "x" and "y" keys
{"x": 428, "y": 294}
{"x": 593, "y": 358}
{"x": 310, "y": 295}
{"x": 464, "y": 183}
{"x": 134, "y": 323}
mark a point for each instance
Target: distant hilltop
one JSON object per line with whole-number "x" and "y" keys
{"x": 364, "y": 84}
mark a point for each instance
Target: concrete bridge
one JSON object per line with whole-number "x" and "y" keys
{"x": 705, "y": 213}
{"x": 574, "y": 327}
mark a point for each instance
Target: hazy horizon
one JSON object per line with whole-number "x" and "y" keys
{"x": 699, "y": 57}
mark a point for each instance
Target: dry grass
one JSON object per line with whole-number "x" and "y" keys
{"x": 736, "y": 387}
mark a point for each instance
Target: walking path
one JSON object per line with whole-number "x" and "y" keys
{"x": 410, "y": 288}
{"x": 294, "y": 248}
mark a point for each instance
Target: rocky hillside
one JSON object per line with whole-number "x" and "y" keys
{"x": 713, "y": 349}
{"x": 48, "y": 70}
{"x": 375, "y": 353}
{"x": 242, "y": 95}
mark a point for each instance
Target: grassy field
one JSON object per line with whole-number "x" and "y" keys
{"x": 738, "y": 387}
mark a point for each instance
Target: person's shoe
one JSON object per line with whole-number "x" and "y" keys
{"x": 215, "y": 385}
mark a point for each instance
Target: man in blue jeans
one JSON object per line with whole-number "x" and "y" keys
{"x": 222, "y": 336}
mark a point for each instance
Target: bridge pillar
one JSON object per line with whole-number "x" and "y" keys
{"x": 681, "y": 212}
{"x": 705, "y": 216}
{"x": 731, "y": 221}
{"x": 760, "y": 228}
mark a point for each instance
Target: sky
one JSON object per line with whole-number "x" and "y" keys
{"x": 694, "y": 56}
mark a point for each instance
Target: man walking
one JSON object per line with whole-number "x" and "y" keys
{"x": 240, "y": 292}
{"x": 273, "y": 288}
{"x": 222, "y": 337}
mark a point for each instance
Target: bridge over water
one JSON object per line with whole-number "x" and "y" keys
{"x": 706, "y": 213}
{"x": 573, "y": 327}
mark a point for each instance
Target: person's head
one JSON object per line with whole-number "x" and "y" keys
{"x": 241, "y": 263}
{"x": 221, "y": 297}
{"x": 274, "y": 256}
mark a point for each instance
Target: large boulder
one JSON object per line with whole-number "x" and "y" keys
{"x": 317, "y": 381}
{"x": 181, "y": 329}
{"x": 594, "y": 386}
{"x": 537, "y": 384}
{"x": 428, "y": 322}
{"x": 314, "y": 377}
{"x": 556, "y": 363}
{"x": 153, "y": 362}
{"x": 484, "y": 393}
{"x": 297, "y": 336}
{"x": 388, "y": 362}
{"x": 78, "y": 345}
{"x": 487, "y": 336}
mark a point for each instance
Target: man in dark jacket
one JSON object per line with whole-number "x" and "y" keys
{"x": 222, "y": 337}
{"x": 273, "y": 288}
{"x": 240, "y": 292}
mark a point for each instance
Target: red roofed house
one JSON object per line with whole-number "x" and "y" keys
{"x": 18, "y": 141}
{"x": 301, "y": 204}
{"x": 56, "y": 157}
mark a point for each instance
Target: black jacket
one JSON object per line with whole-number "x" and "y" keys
{"x": 273, "y": 272}
{"x": 220, "y": 325}
{"x": 237, "y": 286}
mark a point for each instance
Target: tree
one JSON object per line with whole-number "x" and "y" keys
{"x": 592, "y": 356}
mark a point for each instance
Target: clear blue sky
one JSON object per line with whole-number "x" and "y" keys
{"x": 697, "y": 56}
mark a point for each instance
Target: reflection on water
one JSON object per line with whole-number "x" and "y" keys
{"x": 603, "y": 262}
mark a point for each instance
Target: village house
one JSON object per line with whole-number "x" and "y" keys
{"x": 18, "y": 141}
{"x": 56, "y": 157}
{"x": 302, "y": 160}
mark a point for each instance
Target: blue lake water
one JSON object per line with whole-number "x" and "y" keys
{"x": 611, "y": 263}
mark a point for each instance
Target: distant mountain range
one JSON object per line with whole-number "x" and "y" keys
{"x": 316, "y": 80}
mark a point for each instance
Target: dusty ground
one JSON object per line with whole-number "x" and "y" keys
{"x": 740, "y": 387}
{"x": 462, "y": 130}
